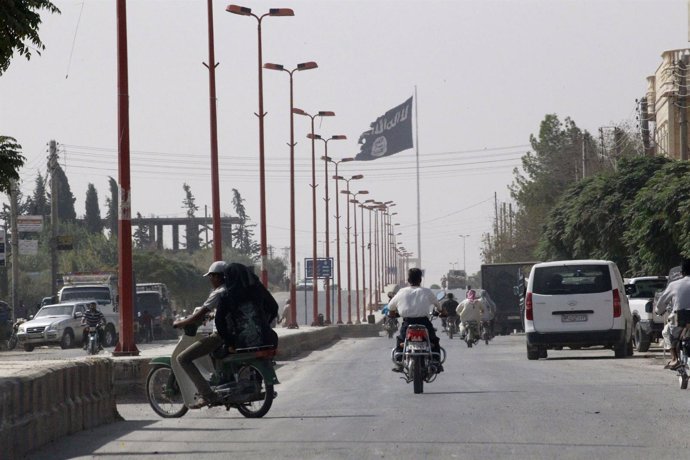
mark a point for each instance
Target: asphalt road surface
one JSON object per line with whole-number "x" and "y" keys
{"x": 344, "y": 402}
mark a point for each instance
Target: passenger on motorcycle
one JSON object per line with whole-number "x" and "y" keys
{"x": 448, "y": 308}
{"x": 414, "y": 304}
{"x": 203, "y": 347}
{"x": 677, "y": 295}
{"x": 470, "y": 309}
{"x": 93, "y": 318}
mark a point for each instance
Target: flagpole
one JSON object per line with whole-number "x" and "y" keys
{"x": 419, "y": 221}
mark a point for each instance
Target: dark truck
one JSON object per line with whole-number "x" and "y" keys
{"x": 505, "y": 284}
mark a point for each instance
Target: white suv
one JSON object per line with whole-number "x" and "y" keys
{"x": 577, "y": 303}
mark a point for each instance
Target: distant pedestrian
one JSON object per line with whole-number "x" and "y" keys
{"x": 285, "y": 314}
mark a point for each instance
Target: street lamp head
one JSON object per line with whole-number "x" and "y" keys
{"x": 281, "y": 12}
{"x": 339, "y": 137}
{"x": 363, "y": 192}
{"x": 345, "y": 192}
{"x": 307, "y": 65}
{"x": 358, "y": 176}
{"x": 268, "y": 65}
{"x": 345, "y": 160}
{"x": 339, "y": 178}
{"x": 314, "y": 136}
{"x": 326, "y": 113}
{"x": 297, "y": 111}
{"x": 241, "y": 10}
{"x": 326, "y": 158}
{"x": 387, "y": 202}
{"x": 370, "y": 200}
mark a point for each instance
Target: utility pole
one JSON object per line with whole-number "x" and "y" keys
{"x": 15, "y": 247}
{"x": 584, "y": 171}
{"x": 644, "y": 124}
{"x": 52, "y": 167}
{"x": 682, "y": 106}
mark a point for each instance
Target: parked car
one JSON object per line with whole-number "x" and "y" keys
{"x": 577, "y": 304}
{"x": 648, "y": 325}
{"x": 304, "y": 285}
{"x": 54, "y": 324}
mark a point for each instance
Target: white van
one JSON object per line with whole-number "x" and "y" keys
{"x": 577, "y": 303}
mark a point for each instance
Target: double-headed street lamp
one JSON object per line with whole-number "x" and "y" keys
{"x": 293, "y": 292}
{"x": 244, "y": 11}
{"x": 328, "y": 252}
{"x": 354, "y": 212}
{"x": 337, "y": 229}
{"x": 349, "y": 281}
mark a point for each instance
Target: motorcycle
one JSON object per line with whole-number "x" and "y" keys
{"x": 12, "y": 341}
{"x": 471, "y": 333}
{"x": 683, "y": 370}
{"x": 390, "y": 325}
{"x": 243, "y": 380}
{"x": 485, "y": 332}
{"x": 452, "y": 326}
{"x": 93, "y": 345}
{"x": 419, "y": 363}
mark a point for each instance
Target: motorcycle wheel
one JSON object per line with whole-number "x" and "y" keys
{"x": 93, "y": 347}
{"x": 683, "y": 381}
{"x": 164, "y": 393}
{"x": 259, "y": 406}
{"x": 12, "y": 343}
{"x": 416, "y": 371}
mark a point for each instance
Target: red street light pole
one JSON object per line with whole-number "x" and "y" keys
{"x": 293, "y": 291}
{"x": 244, "y": 11}
{"x": 364, "y": 272}
{"x": 354, "y": 213}
{"x": 337, "y": 232}
{"x": 311, "y": 135}
{"x": 349, "y": 280}
{"x": 372, "y": 287}
{"x": 126, "y": 345}
{"x": 327, "y": 284}
{"x": 215, "y": 186}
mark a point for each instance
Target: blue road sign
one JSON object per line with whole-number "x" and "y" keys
{"x": 324, "y": 267}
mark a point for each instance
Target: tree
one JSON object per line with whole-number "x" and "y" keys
{"x": 37, "y": 204}
{"x": 11, "y": 158}
{"x": 19, "y": 21}
{"x": 92, "y": 218}
{"x": 112, "y": 203}
{"x": 141, "y": 236}
{"x": 192, "y": 228}
{"x": 66, "y": 200}
{"x": 242, "y": 234}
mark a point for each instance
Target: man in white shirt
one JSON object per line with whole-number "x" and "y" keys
{"x": 677, "y": 294}
{"x": 470, "y": 309}
{"x": 414, "y": 303}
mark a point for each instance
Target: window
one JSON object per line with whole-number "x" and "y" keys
{"x": 571, "y": 279}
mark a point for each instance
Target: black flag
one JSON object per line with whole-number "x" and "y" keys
{"x": 389, "y": 134}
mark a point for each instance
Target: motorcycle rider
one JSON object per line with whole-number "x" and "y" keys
{"x": 449, "y": 307}
{"x": 488, "y": 318}
{"x": 469, "y": 309}
{"x": 203, "y": 347}
{"x": 93, "y": 318}
{"x": 413, "y": 303}
{"x": 677, "y": 293}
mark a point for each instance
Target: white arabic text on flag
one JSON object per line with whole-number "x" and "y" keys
{"x": 389, "y": 134}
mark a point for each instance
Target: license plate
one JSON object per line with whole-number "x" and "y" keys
{"x": 573, "y": 318}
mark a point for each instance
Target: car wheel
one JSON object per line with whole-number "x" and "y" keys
{"x": 532, "y": 353}
{"x": 28, "y": 347}
{"x": 641, "y": 339}
{"x": 620, "y": 350}
{"x": 67, "y": 340}
{"x": 543, "y": 354}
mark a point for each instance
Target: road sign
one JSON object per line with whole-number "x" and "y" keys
{"x": 324, "y": 267}
{"x": 29, "y": 223}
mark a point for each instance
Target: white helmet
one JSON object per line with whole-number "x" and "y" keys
{"x": 216, "y": 267}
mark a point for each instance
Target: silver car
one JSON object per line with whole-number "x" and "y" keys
{"x": 54, "y": 324}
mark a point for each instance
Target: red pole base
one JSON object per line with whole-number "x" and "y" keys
{"x": 123, "y": 350}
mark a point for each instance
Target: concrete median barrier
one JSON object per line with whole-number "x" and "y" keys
{"x": 49, "y": 401}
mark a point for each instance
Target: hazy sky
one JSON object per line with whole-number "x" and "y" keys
{"x": 486, "y": 73}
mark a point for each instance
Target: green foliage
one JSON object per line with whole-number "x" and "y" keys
{"x": 192, "y": 230}
{"x": 19, "y": 21}
{"x": 92, "y": 217}
{"x": 11, "y": 158}
{"x": 242, "y": 234}
{"x": 658, "y": 235}
{"x": 113, "y": 204}
{"x": 38, "y": 204}
{"x": 65, "y": 199}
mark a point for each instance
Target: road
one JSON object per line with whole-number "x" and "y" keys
{"x": 344, "y": 402}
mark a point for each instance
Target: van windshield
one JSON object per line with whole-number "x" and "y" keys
{"x": 571, "y": 279}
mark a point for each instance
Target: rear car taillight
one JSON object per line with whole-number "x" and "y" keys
{"x": 616, "y": 304}
{"x": 529, "y": 311}
{"x": 417, "y": 334}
